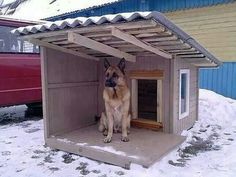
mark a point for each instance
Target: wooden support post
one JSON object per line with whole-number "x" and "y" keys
{"x": 44, "y": 81}
{"x": 134, "y": 98}
{"x": 92, "y": 44}
{"x": 159, "y": 101}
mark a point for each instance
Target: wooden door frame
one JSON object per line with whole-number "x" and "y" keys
{"x": 148, "y": 75}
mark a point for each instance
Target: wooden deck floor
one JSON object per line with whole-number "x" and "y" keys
{"x": 145, "y": 146}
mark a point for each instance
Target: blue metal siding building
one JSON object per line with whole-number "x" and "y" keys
{"x": 222, "y": 80}
{"x": 139, "y": 5}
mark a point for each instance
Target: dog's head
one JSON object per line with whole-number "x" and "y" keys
{"x": 114, "y": 75}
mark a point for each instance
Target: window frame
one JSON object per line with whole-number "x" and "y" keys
{"x": 187, "y": 72}
{"x": 7, "y": 29}
{"x": 135, "y": 75}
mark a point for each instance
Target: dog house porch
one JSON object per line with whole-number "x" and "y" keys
{"x": 145, "y": 146}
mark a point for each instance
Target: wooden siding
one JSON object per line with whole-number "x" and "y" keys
{"x": 143, "y": 63}
{"x": 177, "y": 125}
{"x": 214, "y": 27}
{"x": 70, "y": 91}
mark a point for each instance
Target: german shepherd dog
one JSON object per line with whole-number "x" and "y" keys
{"x": 116, "y": 96}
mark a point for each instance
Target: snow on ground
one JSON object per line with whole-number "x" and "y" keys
{"x": 12, "y": 112}
{"x": 209, "y": 150}
{"x": 36, "y": 10}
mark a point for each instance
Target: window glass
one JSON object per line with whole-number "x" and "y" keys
{"x": 9, "y": 43}
{"x": 184, "y": 93}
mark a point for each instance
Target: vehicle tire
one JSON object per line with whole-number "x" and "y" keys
{"x": 34, "y": 105}
{"x": 34, "y": 110}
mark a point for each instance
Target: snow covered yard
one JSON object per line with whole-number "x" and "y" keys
{"x": 208, "y": 151}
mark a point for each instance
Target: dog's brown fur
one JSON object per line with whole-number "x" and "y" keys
{"x": 117, "y": 103}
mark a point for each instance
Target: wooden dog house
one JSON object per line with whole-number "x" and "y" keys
{"x": 162, "y": 73}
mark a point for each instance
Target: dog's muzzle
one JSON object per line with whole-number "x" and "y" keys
{"x": 110, "y": 83}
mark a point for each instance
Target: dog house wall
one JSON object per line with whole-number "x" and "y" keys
{"x": 170, "y": 96}
{"x": 178, "y": 125}
{"x": 69, "y": 91}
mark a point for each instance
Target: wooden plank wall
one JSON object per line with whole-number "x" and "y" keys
{"x": 71, "y": 91}
{"x": 214, "y": 27}
{"x": 143, "y": 63}
{"x": 176, "y": 124}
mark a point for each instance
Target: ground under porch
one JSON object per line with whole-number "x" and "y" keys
{"x": 144, "y": 148}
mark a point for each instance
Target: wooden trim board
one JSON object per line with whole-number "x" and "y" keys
{"x": 78, "y": 84}
{"x": 134, "y": 98}
{"x": 159, "y": 100}
{"x": 148, "y": 74}
{"x": 147, "y": 124}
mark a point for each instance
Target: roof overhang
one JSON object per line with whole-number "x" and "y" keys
{"x": 126, "y": 35}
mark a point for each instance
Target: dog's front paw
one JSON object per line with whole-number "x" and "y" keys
{"x": 107, "y": 139}
{"x": 105, "y": 133}
{"x": 125, "y": 138}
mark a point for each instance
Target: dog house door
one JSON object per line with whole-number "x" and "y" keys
{"x": 147, "y": 99}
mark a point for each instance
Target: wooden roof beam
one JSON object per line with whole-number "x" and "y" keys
{"x": 92, "y": 44}
{"x": 135, "y": 41}
{"x": 191, "y": 56}
{"x": 56, "y": 47}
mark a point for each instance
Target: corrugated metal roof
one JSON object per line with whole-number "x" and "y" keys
{"x": 82, "y": 21}
{"x": 139, "y": 5}
{"x": 114, "y": 19}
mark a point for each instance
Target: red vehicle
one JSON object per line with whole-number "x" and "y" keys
{"x": 20, "y": 80}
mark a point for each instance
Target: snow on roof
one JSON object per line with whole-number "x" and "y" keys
{"x": 35, "y": 9}
{"x": 82, "y": 21}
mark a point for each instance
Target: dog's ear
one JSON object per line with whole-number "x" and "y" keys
{"x": 121, "y": 65}
{"x": 106, "y": 64}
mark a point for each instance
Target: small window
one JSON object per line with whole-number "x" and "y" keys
{"x": 184, "y": 93}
